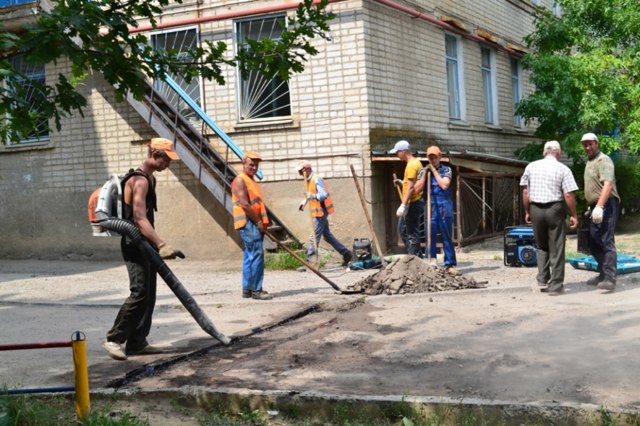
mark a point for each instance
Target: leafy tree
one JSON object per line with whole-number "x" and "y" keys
{"x": 93, "y": 35}
{"x": 585, "y": 66}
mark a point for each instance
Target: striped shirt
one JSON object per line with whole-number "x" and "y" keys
{"x": 548, "y": 180}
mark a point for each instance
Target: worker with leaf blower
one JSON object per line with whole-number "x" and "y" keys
{"x": 251, "y": 220}
{"x": 133, "y": 322}
{"x": 319, "y": 200}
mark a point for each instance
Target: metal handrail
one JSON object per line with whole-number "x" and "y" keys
{"x": 204, "y": 117}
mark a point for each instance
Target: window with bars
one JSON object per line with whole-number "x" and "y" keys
{"x": 489, "y": 85}
{"x": 516, "y": 89}
{"x": 180, "y": 40}
{"x": 29, "y": 90}
{"x": 455, "y": 81}
{"x": 259, "y": 97}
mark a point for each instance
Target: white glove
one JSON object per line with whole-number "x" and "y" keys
{"x": 596, "y": 215}
{"x": 302, "y": 204}
{"x": 402, "y": 210}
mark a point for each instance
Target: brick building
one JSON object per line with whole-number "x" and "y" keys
{"x": 443, "y": 72}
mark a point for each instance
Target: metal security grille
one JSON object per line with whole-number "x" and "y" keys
{"x": 488, "y": 204}
{"x": 180, "y": 41}
{"x": 28, "y": 88}
{"x": 258, "y": 97}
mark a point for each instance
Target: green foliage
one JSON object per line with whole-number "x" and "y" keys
{"x": 628, "y": 182}
{"x": 27, "y": 410}
{"x": 93, "y": 36}
{"x": 585, "y": 66}
{"x": 282, "y": 260}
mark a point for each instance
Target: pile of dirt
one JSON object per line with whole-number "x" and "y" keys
{"x": 410, "y": 274}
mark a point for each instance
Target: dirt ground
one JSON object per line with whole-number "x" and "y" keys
{"x": 507, "y": 342}
{"x": 504, "y": 342}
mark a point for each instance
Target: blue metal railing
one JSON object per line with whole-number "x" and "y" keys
{"x": 204, "y": 117}
{"x": 8, "y": 3}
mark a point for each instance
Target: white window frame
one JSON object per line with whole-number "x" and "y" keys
{"x": 455, "y": 78}
{"x": 45, "y": 138}
{"x": 158, "y": 84}
{"x": 489, "y": 86}
{"x": 516, "y": 89}
{"x": 281, "y": 96}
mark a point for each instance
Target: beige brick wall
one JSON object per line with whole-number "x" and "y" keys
{"x": 380, "y": 77}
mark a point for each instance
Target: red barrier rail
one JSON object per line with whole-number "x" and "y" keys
{"x": 81, "y": 373}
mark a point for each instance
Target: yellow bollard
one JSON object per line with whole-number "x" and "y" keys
{"x": 81, "y": 372}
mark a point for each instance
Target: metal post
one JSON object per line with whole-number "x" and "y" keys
{"x": 81, "y": 372}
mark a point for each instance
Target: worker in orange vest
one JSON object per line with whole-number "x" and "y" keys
{"x": 250, "y": 219}
{"x": 321, "y": 205}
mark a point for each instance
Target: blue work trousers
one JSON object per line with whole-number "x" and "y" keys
{"x": 409, "y": 227}
{"x": 321, "y": 228}
{"x": 442, "y": 223}
{"x": 253, "y": 260}
{"x": 602, "y": 243}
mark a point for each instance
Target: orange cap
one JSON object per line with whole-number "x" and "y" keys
{"x": 164, "y": 145}
{"x": 251, "y": 154}
{"x": 433, "y": 150}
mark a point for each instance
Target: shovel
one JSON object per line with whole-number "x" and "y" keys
{"x": 310, "y": 266}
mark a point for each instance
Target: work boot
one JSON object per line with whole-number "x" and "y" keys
{"x": 114, "y": 350}
{"x": 246, "y": 294}
{"x": 261, "y": 295}
{"x": 451, "y": 270}
{"x": 595, "y": 280}
{"x": 607, "y": 285}
{"x": 346, "y": 258}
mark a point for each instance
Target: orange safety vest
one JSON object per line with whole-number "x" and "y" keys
{"x": 318, "y": 207}
{"x": 255, "y": 200}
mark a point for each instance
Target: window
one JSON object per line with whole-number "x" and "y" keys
{"x": 181, "y": 40}
{"x": 455, "y": 82}
{"x": 557, "y": 10}
{"x": 489, "y": 86}
{"x": 516, "y": 89}
{"x": 30, "y": 89}
{"x": 258, "y": 97}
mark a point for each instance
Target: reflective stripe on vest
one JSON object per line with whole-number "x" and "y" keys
{"x": 317, "y": 206}
{"x": 255, "y": 201}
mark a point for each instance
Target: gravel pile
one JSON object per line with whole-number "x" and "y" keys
{"x": 410, "y": 274}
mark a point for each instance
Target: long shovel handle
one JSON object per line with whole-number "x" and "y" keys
{"x": 395, "y": 178}
{"x": 366, "y": 214}
{"x": 304, "y": 262}
{"x": 428, "y": 207}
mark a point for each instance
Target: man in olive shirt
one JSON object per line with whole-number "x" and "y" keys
{"x": 412, "y": 204}
{"x": 604, "y": 206}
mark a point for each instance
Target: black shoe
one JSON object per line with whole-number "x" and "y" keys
{"x": 554, "y": 292}
{"x": 261, "y": 295}
{"x": 595, "y": 280}
{"x": 346, "y": 258}
{"x": 246, "y": 294}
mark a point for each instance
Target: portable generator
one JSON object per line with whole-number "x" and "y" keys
{"x": 361, "y": 249}
{"x": 519, "y": 246}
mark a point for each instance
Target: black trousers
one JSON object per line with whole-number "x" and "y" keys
{"x": 602, "y": 242}
{"x": 133, "y": 322}
{"x": 550, "y": 231}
